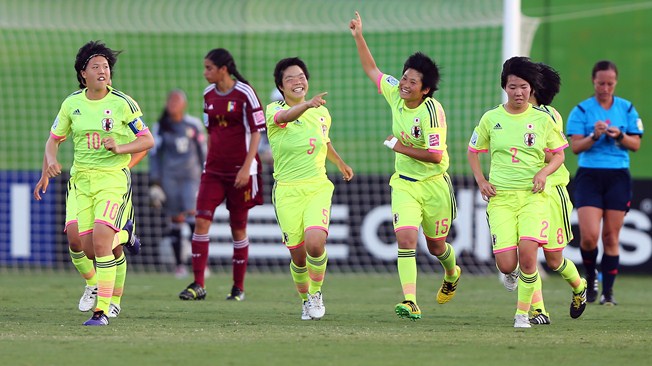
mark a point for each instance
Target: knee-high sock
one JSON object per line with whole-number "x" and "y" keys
{"x": 84, "y": 266}
{"x": 120, "y": 278}
{"x": 199, "y": 256}
{"x": 175, "y": 241}
{"x": 316, "y": 271}
{"x": 569, "y": 272}
{"x": 106, "y": 269}
{"x": 407, "y": 273}
{"x": 528, "y": 284}
{"x": 589, "y": 257}
{"x": 240, "y": 258}
{"x": 609, "y": 272}
{"x": 301, "y": 279}
{"x": 448, "y": 261}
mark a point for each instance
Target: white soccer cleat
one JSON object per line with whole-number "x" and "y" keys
{"x": 316, "y": 308}
{"x": 304, "y": 311}
{"x": 521, "y": 321}
{"x": 510, "y": 280}
{"x": 114, "y": 310}
{"x": 87, "y": 300}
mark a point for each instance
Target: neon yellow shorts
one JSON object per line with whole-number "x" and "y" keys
{"x": 71, "y": 204}
{"x": 103, "y": 197}
{"x": 560, "y": 213}
{"x": 515, "y": 216}
{"x": 300, "y": 206}
{"x": 429, "y": 203}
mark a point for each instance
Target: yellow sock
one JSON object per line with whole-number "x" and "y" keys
{"x": 407, "y": 273}
{"x": 120, "y": 277}
{"x": 447, "y": 261}
{"x": 527, "y": 285}
{"x": 569, "y": 272}
{"x": 316, "y": 271}
{"x": 106, "y": 270}
{"x": 301, "y": 279}
{"x": 84, "y": 266}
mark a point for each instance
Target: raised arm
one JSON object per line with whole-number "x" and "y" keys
{"x": 289, "y": 115}
{"x": 367, "y": 60}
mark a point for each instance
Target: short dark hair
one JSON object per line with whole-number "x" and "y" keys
{"x": 523, "y": 68}
{"x": 90, "y": 50}
{"x": 550, "y": 83}
{"x": 282, "y": 65}
{"x": 428, "y": 69}
{"x": 602, "y": 66}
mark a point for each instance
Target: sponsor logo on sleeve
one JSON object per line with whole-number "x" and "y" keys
{"x": 474, "y": 138}
{"x": 259, "y": 118}
{"x": 639, "y": 124}
{"x": 391, "y": 80}
{"x": 433, "y": 140}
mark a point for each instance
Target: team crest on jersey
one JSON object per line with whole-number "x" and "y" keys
{"x": 396, "y": 218}
{"x": 415, "y": 131}
{"x": 230, "y": 107}
{"x": 433, "y": 140}
{"x": 391, "y": 81}
{"x": 530, "y": 126}
{"x": 474, "y": 138}
{"x": 417, "y": 121}
{"x": 107, "y": 112}
{"x": 529, "y": 139}
{"x": 107, "y": 124}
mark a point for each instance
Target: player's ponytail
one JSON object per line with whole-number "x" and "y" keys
{"x": 221, "y": 57}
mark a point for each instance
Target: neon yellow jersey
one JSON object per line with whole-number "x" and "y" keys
{"x": 89, "y": 121}
{"x": 517, "y": 144}
{"x": 561, "y": 176}
{"x": 299, "y": 147}
{"x": 423, "y": 127}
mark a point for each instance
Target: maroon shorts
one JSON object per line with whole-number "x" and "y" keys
{"x": 214, "y": 189}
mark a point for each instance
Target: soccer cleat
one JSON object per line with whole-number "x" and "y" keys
{"x": 521, "y": 321}
{"x": 236, "y": 294}
{"x": 578, "y": 302}
{"x": 316, "y": 308}
{"x": 304, "y": 311}
{"x": 607, "y": 299}
{"x": 133, "y": 243}
{"x": 408, "y": 309}
{"x": 114, "y": 310}
{"x": 592, "y": 289}
{"x": 87, "y": 300}
{"x": 447, "y": 290}
{"x": 510, "y": 280}
{"x": 538, "y": 318}
{"x": 193, "y": 292}
{"x": 98, "y": 318}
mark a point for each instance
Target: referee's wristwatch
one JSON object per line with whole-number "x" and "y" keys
{"x": 594, "y": 137}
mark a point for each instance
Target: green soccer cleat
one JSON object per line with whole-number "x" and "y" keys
{"x": 408, "y": 309}
{"x": 447, "y": 290}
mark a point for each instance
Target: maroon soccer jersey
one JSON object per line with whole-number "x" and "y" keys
{"x": 230, "y": 119}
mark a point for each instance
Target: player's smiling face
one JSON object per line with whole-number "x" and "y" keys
{"x": 410, "y": 86}
{"x": 97, "y": 73}
{"x": 518, "y": 92}
{"x": 295, "y": 84}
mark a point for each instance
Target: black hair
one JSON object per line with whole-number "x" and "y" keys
{"x": 282, "y": 65}
{"x": 164, "y": 121}
{"x": 221, "y": 57}
{"x": 550, "y": 83}
{"x": 90, "y": 50}
{"x": 428, "y": 69}
{"x": 602, "y": 66}
{"x": 523, "y": 68}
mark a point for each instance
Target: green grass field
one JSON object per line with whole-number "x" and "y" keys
{"x": 40, "y": 324}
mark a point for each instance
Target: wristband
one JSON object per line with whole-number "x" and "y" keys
{"x": 593, "y": 137}
{"x": 391, "y": 143}
{"x": 620, "y": 137}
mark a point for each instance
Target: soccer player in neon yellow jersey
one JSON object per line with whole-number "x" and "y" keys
{"x": 422, "y": 193}
{"x": 297, "y": 130}
{"x": 517, "y": 135}
{"x": 560, "y": 206}
{"x": 103, "y": 122}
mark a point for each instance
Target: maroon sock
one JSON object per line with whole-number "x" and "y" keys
{"x": 199, "y": 257}
{"x": 240, "y": 258}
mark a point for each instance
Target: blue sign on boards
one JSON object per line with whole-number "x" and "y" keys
{"x": 27, "y": 226}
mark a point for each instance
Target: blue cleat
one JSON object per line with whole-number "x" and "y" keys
{"x": 98, "y": 318}
{"x": 133, "y": 243}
